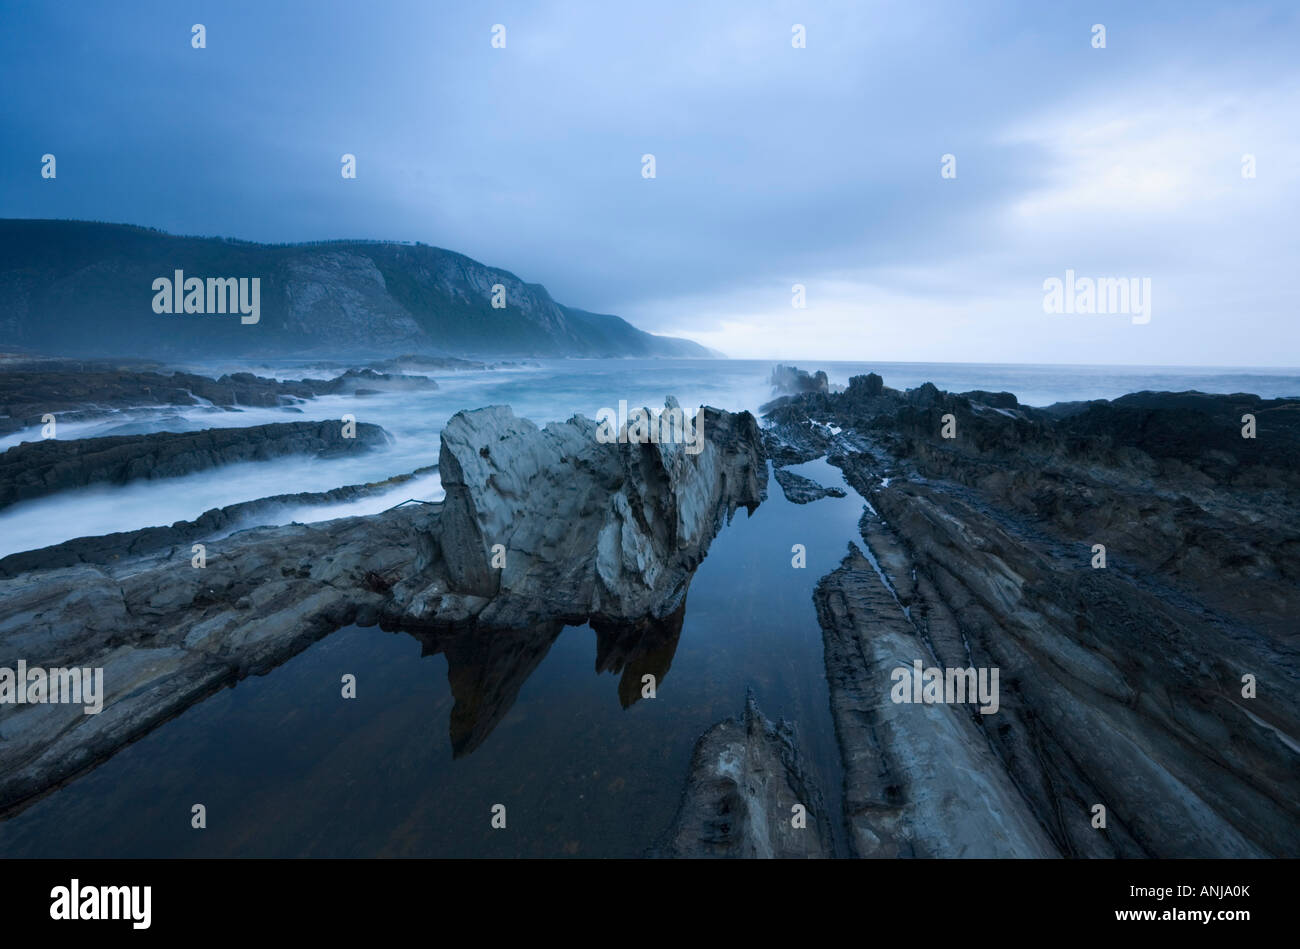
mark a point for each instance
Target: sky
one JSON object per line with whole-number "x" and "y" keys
{"x": 775, "y": 165}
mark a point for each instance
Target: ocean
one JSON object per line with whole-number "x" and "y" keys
{"x": 546, "y": 391}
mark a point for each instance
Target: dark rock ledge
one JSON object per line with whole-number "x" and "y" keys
{"x": 35, "y": 469}
{"x": 1120, "y": 686}
{"x": 77, "y": 390}
{"x": 127, "y": 545}
{"x": 801, "y": 490}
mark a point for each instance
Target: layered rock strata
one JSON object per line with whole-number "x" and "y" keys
{"x": 1128, "y": 567}
{"x": 748, "y": 795}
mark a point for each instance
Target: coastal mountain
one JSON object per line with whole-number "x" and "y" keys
{"x": 79, "y": 287}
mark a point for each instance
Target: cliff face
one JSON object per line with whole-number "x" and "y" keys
{"x": 74, "y": 287}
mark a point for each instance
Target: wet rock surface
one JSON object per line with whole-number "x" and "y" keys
{"x": 801, "y": 490}
{"x": 605, "y": 533}
{"x": 168, "y": 634}
{"x": 1120, "y": 685}
{"x": 76, "y": 390}
{"x": 551, "y": 522}
{"x": 745, "y": 782}
{"x": 920, "y": 780}
{"x": 1120, "y": 672}
{"x": 34, "y": 469}
{"x": 126, "y": 545}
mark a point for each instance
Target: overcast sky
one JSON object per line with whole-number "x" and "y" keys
{"x": 774, "y": 165}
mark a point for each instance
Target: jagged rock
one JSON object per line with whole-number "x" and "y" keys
{"x": 423, "y": 363}
{"x": 795, "y": 444}
{"x": 792, "y": 380}
{"x": 367, "y": 381}
{"x": 1116, "y": 690}
{"x": 603, "y": 532}
{"x": 868, "y": 386}
{"x": 586, "y": 529}
{"x": 33, "y": 469}
{"x": 1121, "y": 686}
{"x": 801, "y": 490}
{"x": 744, "y": 782}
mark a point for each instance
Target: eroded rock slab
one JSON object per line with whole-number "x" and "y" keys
{"x": 127, "y": 545}
{"x": 167, "y": 634}
{"x": 745, "y": 781}
{"x": 552, "y": 523}
{"x": 920, "y": 779}
{"x": 76, "y": 390}
{"x": 801, "y": 490}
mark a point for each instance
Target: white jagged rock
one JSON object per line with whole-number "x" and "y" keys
{"x": 588, "y": 528}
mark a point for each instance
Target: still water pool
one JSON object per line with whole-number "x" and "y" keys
{"x": 285, "y": 766}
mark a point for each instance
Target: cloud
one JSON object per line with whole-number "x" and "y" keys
{"x": 1147, "y": 185}
{"x": 776, "y": 165}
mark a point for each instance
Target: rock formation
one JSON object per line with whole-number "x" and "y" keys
{"x": 74, "y": 390}
{"x": 33, "y": 469}
{"x": 790, "y": 380}
{"x": 1130, "y": 569}
{"x": 128, "y": 545}
{"x": 168, "y": 634}
{"x": 606, "y": 533}
{"x": 745, "y": 783}
{"x": 920, "y": 780}
{"x": 522, "y": 540}
{"x": 801, "y": 490}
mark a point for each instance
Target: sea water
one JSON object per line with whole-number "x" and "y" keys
{"x": 547, "y": 391}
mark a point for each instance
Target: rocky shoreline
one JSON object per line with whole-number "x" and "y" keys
{"x": 1121, "y": 669}
{"x": 1124, "y": 567}
{"x": 126, "y": 545}
{"x": 41, "y": 468}
{"x": 587, "y": 532}
{"x": 81, "y": 390}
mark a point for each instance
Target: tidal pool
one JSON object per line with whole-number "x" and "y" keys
{"x": 285, "y": 766}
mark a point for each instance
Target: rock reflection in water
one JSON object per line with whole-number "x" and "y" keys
{"x": 486, "y": 666}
